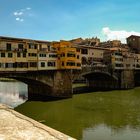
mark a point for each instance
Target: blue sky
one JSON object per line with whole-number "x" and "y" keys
{"x": 67, "y": 19}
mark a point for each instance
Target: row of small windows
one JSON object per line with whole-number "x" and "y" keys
{"x": 49, "y": 64}
{"x": 26, "y": 65}
{"x": 10, "y": 55}
{"x": 42, "y": 55}
{"x": 16, "y": 65}
{"x": 30, "y": 45}
{"x": 118, "y": 59}
{"x": 119, "y": 65}
{"x": 71, "y": 64}
{"x": 118, "y": 53}
{"x": 32, "y": 54}
{"x": 35, "y": 55}
{"x": 53, "y": 55}
{"x": 50, "y": 55}
{"x": 127, "y": 65}
{"x": 70, "y": 55}
{"x": 9, "y": 46}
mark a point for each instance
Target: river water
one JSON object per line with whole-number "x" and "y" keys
{"x": 110, "y": 115}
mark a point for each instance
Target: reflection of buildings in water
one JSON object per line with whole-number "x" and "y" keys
{"x": 23, "y": 96}
{"x": 13, "y": 93}
{"x": 12, "y": 99}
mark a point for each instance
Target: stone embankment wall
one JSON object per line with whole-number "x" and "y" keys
{"x": 15, "y": 126}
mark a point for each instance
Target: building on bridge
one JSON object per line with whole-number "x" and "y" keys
{"x": 18, "y": 54}
{"x": 90, "y": 53}
{"x": 120, "y": 59}
{"x": 133, "y": 42}
{"x": 68, "y": 56}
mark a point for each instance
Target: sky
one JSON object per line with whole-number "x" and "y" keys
{"x": 68, "y": 19}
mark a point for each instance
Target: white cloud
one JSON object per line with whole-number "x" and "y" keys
{"x": 28, "y": 8}
{"x": 19, "y": 19}
{"x": 18, "y": 13}
{"x": 117, "y": 34}
{"x": 21, "y": 14}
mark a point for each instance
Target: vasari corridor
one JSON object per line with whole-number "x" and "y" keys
{"x": 69, "y": 70}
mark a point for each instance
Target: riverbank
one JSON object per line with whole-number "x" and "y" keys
{"x": 14, "y": 125}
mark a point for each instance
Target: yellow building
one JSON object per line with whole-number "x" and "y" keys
{"x": 18, "y": 54}
{"x": 68, "y": 56}
{"x": 13, "y": 54}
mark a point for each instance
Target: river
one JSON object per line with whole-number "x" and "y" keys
{"x": 109, "y": 115}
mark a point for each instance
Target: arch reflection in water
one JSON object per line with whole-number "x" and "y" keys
{"x": 13, "y": 93}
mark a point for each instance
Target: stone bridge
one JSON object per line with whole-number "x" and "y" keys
{"x": 42, "y": 84}
{"x": 101, "y": 77}
{"x": 58, "y": 83}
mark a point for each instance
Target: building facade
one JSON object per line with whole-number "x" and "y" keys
{"x": 133, "y": 42}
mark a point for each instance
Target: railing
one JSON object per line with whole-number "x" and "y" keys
{"x": 99, "y": 68}
{"x": 95, "y": 68}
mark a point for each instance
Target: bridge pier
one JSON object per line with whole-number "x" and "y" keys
{"x": 127, "y": 79}
{"x": 61, "y": 86}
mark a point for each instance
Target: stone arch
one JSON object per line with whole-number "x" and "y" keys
{"x": 101, "y": 80}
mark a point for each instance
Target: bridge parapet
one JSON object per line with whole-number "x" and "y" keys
{"x": 96, "y": 68}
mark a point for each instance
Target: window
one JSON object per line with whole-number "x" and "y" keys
{"x": 42, "y": 64}
{"x": 8, "y": 46}
{"x": 70, "y": 55}
{"x": 40, "y": 47}
{"x": 20, "y": 46}
{"x": 29, "y": 46}
{"x": 32, "y": 46}
{"x": 70, "y": 63}
{"x": 18, "y": 54}
{"x": 77, "y": 49}
{"x": 62, "y": 63}
{"x": 21, "y": 65}
{"x": 10, "y": 55}
{"x": 51, "y": 64}
{"x": 78, "y": 64}
{"x": 77, "y": 56}
{"x": 33, "y": 64}
{"x": 127, "y": 65}
{"x": 24, "y": 54}
{"x": 2, "y": 54}
{"x": 118, "y": 53}
{"x": 49, "y": 48}
{"x": 2, "y": 65}
{"x": 35, "y": 46}
{"x": 53, "y": 55}
{"x": 119, "y": 65}
{"x": 32, "y": 54}
{"x": 63, "y": 55}
{"x": 84, "y": 51}
{"x": 9, "y": 65}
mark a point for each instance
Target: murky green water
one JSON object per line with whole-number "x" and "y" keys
{"x": 113, "y": 115}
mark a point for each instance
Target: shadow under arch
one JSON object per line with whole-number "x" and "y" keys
{"x": 37, "y": 91}
{"x": 101, "y": 80}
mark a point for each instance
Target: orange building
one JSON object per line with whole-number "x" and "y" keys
{"x": 68, "y": 56}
